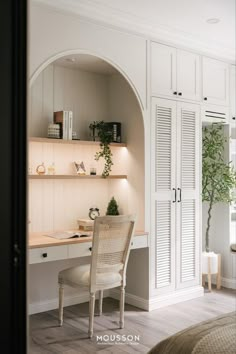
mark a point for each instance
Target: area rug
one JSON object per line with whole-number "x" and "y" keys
{"x": 214, "y": 336}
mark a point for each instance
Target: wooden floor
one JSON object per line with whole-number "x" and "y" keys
{"x": 152, "y": 327}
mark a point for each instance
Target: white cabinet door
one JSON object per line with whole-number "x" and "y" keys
{"x": 163, "y": 150}
{"x": 187, "y": 212}
{"x": 188, "y": 75}
{"x": 215, "y": 81}
{"x": 163, "y": 70}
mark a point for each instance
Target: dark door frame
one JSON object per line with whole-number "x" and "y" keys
{"x": 13, "y": 118}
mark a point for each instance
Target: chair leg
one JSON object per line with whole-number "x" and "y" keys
{"x": 61, "y": 300}
{"x": 122, "y": 305}
{"x": 91, "y": 314}
{"x": 100, "y": 301}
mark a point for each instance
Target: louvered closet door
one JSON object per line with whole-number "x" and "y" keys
{"x": 187, "y": 206}
{"x": 163, "y": 152}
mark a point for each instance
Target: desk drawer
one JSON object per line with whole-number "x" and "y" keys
{"x": 47, "y": 254}
{"x": 79, "y": 250}
{"x": 139, "y": 242}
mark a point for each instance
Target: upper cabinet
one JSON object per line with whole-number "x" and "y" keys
{"x": 215, "y": 81}
{"x": 174, "y": 72}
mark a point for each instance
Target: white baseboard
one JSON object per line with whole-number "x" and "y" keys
{"x": 175, "y": 297}
{"x": 147, "y": 305}
{"x": 229, "y": 283}
{"x": 53, "y": 303}
{"x": 131, "y": 299}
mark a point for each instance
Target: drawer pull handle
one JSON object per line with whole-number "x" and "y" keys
{"x": 44, "y": 255}
{"x": 90, "y": 248}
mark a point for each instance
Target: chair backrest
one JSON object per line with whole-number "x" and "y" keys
{"x": 111, "y": 245}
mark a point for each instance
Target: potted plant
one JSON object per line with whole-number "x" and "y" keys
{"x": 218, "y": 181}
{"x": 112, "y": 208}
{"x": 104, "y": 133}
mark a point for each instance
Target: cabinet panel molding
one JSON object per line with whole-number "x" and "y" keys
{"x": 215, "y": 81}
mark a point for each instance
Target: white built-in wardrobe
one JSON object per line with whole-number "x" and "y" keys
{"x": 175, "y": 169}
{"x": 175, "y": 194}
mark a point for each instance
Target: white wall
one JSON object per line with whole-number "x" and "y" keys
{"x": 58, "y": 88}
{"x": 53, "y": 33}
{"x": 123, "y": 107}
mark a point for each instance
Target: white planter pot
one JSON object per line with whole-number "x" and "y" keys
{"x": 213, "y": 262}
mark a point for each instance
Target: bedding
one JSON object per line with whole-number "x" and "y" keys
{"x": 215, "y": 336}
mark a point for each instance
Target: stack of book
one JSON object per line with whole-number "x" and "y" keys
{"x": 85, "y": 224}
{"x": 65, "y": 119}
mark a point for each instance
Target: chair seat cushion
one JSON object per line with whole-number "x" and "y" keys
{"x": 80, "y": 276}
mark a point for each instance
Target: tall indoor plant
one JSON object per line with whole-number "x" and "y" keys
{"x": 104, "y": 134}
{"x": 218, "y": 176}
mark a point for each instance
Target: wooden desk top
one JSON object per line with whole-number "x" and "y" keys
{"x": 38, "y": 239}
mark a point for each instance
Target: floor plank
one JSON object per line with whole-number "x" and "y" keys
{"x": 151, "y": 327}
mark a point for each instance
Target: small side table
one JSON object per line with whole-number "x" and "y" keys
{"x": 209, "y": 274}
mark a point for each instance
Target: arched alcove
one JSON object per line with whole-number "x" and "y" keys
{"x": 93, "y": 89}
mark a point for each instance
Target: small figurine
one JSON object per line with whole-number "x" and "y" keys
{"x": 40, "y": 169}
{"x": 80, "y": 169}
{"x": 51, "y": 169}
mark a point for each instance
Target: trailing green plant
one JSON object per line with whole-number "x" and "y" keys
{"x": 105, "y": 136}
{"x": 218, "y": 176}
{"x": 112, "y": 208}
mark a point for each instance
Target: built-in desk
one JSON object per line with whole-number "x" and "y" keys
{"x": 45, "y": 249}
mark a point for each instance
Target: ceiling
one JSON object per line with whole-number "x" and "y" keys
{"x": 86, "y": 62}
{"x": 175, "y": 21}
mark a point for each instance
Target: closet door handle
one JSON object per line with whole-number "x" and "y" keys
{"x": 174, "y": 189}
{"x": 205, "y": 98}
{"x": 180, "y": 195}
{"x": 180, "y": 93}
{"x": 175, "y": 93}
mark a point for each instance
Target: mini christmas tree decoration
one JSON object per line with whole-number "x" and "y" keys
{"x": 112, "y": 208}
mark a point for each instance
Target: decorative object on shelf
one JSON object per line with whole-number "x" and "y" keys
{"x": 85, "y": 224}
{"x": 75, "y": 136}
{"x": 105, "y": 136}
{"x": 233, "y": 247}
{"x": 80, "y": 168}
{"x": 40, "y": 169}
{"x": 112, "y": 208}
{"x": 218, "y": 176}
{"x": 115, "y": 128}
{"x": 54, "y": 131}
{"x": 93, "y": 171}
{"x": 51, "y": 169}
{"x": 93, "y": 213}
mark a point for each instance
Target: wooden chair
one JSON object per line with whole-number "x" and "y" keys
{"x": 110, "y": 252}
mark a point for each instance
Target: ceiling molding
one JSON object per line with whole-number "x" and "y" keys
{"x": 94, "y": 11}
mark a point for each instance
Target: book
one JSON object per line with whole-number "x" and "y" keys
{"x": 61, "y": 117}
{"x": 85, "y": 224}
{"x": 60, "y": 235}
{"x": 70, "y": 125}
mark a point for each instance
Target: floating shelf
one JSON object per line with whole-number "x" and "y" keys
{"x": 76, "y": 177}
{"x": 78, "y": 142}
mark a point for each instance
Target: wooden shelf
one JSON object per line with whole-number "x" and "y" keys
{"x": 76, "y": 177}
{"x": 78, "y": 142}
